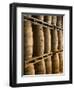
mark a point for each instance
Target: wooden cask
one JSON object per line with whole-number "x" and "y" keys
{"x": 47, "y": 44}
{"x": 61, "y": 62}
{"x": 54, "y": 34}
{"x": 38, "y": 46}
{"x": 29, "y": 69}
{"x": 54, "y": 47}
{"x": 60, "y": 41}
{"x": 28, "y": 42}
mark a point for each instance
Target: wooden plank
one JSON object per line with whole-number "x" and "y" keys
{"x": 41, "y": 56}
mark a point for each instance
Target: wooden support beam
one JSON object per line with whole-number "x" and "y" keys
{"x": 41, "y": 22}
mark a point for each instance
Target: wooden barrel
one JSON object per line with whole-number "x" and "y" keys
{"x": 47, "y": 44}
{"x": 61, "y": 62}
{"x": 54, "y": 34}
{"x": 54, "y": 20}
{"x": 60, "y": 32}
{"x": 55, "y": 63}
{"x": 48, "y": 65}
{"x": 54, "y": 47}
{"x": 60, "y": 41}
{"x": 38, "y": 46}
{"x": 29, "y": 69}
{"x": 28, "y": 41}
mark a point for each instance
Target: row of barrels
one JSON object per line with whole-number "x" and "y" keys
{"x": 39, "y": 40}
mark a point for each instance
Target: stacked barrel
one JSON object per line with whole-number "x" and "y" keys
{"x": 38, "y": 48}
{"x": 60, "y": 42}
{"x": 47, "y": 44}
{"x": 28, "y": 47}
{"x": 40, "y": 40}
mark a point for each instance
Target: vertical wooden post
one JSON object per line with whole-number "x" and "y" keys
{"x": 28, "y": 46}
{"x": 60, "y": 41}
{"x": 47, "y": 44}
{"x": 54, "y": 47}
{"x": 38, "y": 47}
